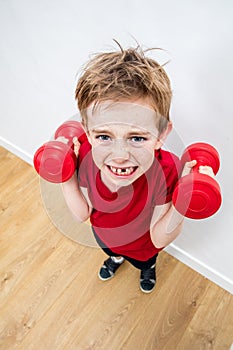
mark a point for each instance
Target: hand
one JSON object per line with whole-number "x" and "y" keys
{"x": 76, "y": 146}
{"x": 203, "y": 169}
{"x": 188, "y": 167}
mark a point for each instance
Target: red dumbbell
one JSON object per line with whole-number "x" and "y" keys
{"x": 198, "y": 196}
{"x": 56, "y": 161}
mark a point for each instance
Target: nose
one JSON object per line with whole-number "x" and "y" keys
{"x": 120, "y": 152}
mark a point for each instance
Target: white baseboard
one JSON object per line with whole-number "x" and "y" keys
{"x": 186, "y": 258}
{"x": 19, "y": 152}
{"x": 197, "y": 265}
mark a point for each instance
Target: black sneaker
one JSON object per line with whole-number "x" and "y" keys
{"x": 108, "y": 269}
{"x": 148, "y": 279}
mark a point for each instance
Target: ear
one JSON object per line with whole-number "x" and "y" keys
{"x": 162, "y": 137}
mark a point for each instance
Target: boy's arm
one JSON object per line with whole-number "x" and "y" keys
{"x": 167, "y": 222}
{"x": 75, "y": 199}
{"x": 74, "y": 196}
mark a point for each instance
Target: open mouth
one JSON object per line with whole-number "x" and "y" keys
{"x": 122, "y": 171}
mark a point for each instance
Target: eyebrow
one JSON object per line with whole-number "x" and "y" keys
{"x": 139, "y": 132}
{"x": 132, "y": 132}
{"x": 101, "y": 131}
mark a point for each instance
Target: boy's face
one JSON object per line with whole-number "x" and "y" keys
{"x": 124, "y": 137}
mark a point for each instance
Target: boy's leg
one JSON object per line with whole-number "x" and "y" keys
{"x": 147, "y": 274}
{"x": 110, "y": 265}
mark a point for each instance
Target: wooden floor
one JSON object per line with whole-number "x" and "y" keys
{"x": 52, "y": 299}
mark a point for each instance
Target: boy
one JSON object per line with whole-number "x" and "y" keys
{"x": 125, "y": 180}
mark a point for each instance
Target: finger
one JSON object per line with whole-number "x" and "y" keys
{"x": 75, "y": 140}
{"x": 191, "y": 164}
{"x": 188, "y": 167}
{"x": 207, "y": 170}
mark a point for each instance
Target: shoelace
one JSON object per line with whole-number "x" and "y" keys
{"x": 148, "y": 274}
{"x": 111, "y": 265}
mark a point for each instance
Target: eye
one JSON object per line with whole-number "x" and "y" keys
{"x": 138, "y": 139}
{"x": 103, "y": 138}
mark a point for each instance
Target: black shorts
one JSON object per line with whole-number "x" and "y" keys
{"x": 141, "y": 265}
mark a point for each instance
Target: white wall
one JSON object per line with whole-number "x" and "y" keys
{"x": 45, "y": 43}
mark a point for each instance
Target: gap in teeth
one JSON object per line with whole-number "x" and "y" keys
{"x": 122, "y": 171}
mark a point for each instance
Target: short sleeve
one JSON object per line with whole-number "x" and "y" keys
{"x": 83, "y": 165}
{"x": 168, "y": 173}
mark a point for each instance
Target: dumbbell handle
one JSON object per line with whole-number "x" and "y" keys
{"x": 195, "y": 168}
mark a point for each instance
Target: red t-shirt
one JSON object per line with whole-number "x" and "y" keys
{"x": 122, "y": 219}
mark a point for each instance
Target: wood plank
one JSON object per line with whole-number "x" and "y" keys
{"x": 211, "y": 328}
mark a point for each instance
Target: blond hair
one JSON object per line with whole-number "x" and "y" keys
{"x": 123, "y": 75}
